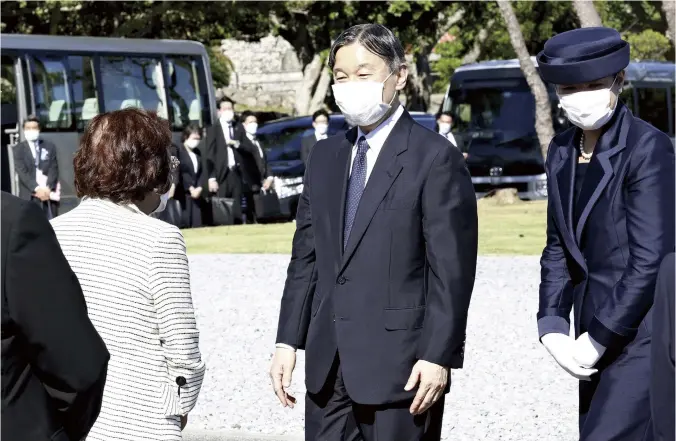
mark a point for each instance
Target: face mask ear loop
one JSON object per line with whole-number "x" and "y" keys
{"x": 395, "y": 92}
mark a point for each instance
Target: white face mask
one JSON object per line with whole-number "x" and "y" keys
{"x": 192, "y": 143}
{"x": 589, "y": 109}
{"x": 227, "y": 115}
{"x": 31, "y": 135}
{"x": 322, "y": 129}
{"x": 361, "y": 101}
{"x": 251, "y": 128}
{"x": 164, "y": 198}
{"x": 444, "y": 128}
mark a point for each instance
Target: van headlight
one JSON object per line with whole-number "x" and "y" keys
{"x": 541, "y": 187}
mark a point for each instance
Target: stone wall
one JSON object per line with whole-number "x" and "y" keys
{"x": 266, "y": 73}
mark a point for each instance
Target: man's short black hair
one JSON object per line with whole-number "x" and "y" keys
{"x": 246, "y": 114}
{"x": 225, "y": 99}
{"x": 378, "y": 39}
{"x": 445, "y": 113}
{"x": 319, "y": 113}
{"x": 31, "y": 118}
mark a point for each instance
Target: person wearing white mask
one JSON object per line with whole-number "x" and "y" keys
{"x": 192, "y": 178}
{"x": 320, "y": 122}
{"x": 222, "y": 155}
{"x": 610, "y": 223}
{"x": 444, "y": 125}
{"x": 134, "y": 273}
{"x": 254, "y": 165}
{"x": 383, "y": 260}
{"x": 37, "y": 167}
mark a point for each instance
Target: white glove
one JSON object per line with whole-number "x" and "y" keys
{"x": 561, "y": 347}
{"x": 587, "y": 351}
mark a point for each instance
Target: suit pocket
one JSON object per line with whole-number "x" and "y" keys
{"x": 317, "y": 300}
{"x": 406, "y": 318}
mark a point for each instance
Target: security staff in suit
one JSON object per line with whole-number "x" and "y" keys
{"x": 36, "y": 164}
{"x": 54, "y": 363}
{"x": 253, "y": 165}
{"x": 222, "y": 157}
{"x": 320, "y": 122}
{"x": 662, "y": 382}
{"x": 383, "y": 260}
{"x": 610, "y": 223}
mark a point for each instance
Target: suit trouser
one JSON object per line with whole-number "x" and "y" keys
{"x": 662, "y": 355}
{"x": 615, "y": 404}
{"x": 331, "y": 415}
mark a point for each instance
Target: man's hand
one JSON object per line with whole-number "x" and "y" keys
{"x": 587, "y": 351}
{"x": 213, "y": 185}
{"x": 283, "y": 363}
{"x": 561, "y": 347}
{"x": 465, "y": 155}
{"x": 433, "y": 379}
{"x": 184, "y": 421}
{"x": 42, "y": 193}
{"x": 195, "y": 193}
{"x": 268, "y": 183}
{"x": 233, "y": 143}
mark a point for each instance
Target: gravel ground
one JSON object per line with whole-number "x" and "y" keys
{"x": 509, "y": 389}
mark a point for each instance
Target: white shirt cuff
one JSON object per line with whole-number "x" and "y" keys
{"x": 285, "y": 346}
{"x": 212, "y": 179}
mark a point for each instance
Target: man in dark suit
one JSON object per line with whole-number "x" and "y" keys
{"x": 662, "y": 354}
{"x": 254, "y": 165}
{"x": 36, "y": 164}
{"x": 320, "y": 122}
{"x": 222, "y": 158}
{"x": 54, "y": 363}
{"x": 383, "y": 260}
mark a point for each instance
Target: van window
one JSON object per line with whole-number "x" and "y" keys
{"x": 183, "y": 88}
{"x": 627, "y": 97}
{"x": 50, "y": 92}
{"x": 133, "y": 82}
{"x": 653, "y": 107}
{"x": 83, "y": 85}
{"x": 8, "y": 81}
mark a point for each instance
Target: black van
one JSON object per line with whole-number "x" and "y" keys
{"x": 494, "y": 119}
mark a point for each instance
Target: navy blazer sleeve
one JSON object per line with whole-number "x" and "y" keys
{"x": 301, "y": 277}
{"x": 46, "y": 303}
{"x": 649, "y": 199}
{"x": 53, "y": 170}
{"x": 556, "y": 289}
{"x": 26, "y": 177}
{"x": 450, "y": 228}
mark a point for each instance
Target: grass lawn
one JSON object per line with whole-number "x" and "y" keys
{"x": 517, "y": 229}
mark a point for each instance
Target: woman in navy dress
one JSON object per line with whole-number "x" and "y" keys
{"x": 610, "y": 222}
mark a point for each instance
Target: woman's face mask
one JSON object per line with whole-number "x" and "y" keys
{"x": 590, "y": 109}
{"x": 192, "y": 143}
{"x": 362, "y": 101}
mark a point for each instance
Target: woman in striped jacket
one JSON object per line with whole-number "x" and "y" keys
{"x": 133, "y": 270}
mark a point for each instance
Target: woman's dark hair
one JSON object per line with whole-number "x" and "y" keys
{"x": 189, "y": 130}
{"x": 378, "y": 39}
{"x": 123, "y": 155}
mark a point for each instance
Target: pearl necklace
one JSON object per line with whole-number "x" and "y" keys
{"x": 586, "y": 156}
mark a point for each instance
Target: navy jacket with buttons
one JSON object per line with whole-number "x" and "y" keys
{"x": 400, "y": 290}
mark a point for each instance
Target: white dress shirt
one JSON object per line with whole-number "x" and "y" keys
{"x": 228, "y": 131}
{"x": 253, "y": 139}
{"x": 376, "y": 139}
{"x": 193, "y": 158}
{"x": 451, "y": 138}
{"x": 319, "y": 137}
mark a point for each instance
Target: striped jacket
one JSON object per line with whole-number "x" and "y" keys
{"x": 134, "y": 273}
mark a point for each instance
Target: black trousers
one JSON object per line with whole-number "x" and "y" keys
{"x": 331, "y": 415}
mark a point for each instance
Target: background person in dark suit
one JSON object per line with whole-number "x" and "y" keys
{"x": 192, "y": 178}
{"x": 53, "y": 361}
{"x": 610, "y": 224}
{"x": 662, "y": 358}
{"x": 254, "y": 164}
{"x": 320, "y": 122}
{"x": 383, "y": 260}
{"x": 36, "y": 164}
{"x": 222, "y": 159}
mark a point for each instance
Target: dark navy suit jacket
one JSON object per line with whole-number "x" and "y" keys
{"x": 400, "y": 290}
{"x": 625, "y": 224}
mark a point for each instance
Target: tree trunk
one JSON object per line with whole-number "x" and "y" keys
{"x": 418, "y": 88}
{"x": 475, "y": 52}
{"x": 543, "y": 112}
{"x": 587, "y": 13}
{"x": 311, "y": 74}
{"x": 669, "y": 7}
{"x": 321, "y": 90}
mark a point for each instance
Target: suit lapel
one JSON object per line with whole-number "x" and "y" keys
{"x": 600, "y": 168}
{"x": 385, "y": 171}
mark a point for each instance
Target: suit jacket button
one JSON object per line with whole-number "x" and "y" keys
{"x": 342, "y": 280}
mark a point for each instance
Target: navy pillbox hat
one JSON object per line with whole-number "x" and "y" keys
{"x": 583, "y": 55}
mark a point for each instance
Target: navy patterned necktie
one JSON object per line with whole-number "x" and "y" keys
{"x": 355, "y": 187}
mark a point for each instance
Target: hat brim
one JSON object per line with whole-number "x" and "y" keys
{"x": 583, "y": 69}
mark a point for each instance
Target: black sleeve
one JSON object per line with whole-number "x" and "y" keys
{"x": 25, "y": 176}
{"x": 45, "y": 300}
{"x": 53, "y": 171}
